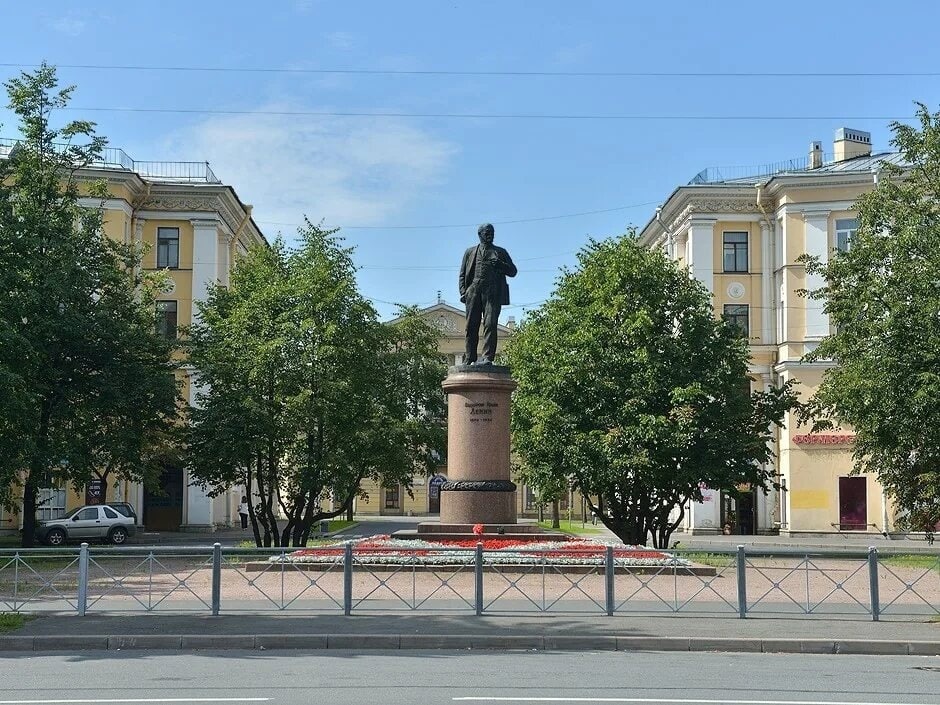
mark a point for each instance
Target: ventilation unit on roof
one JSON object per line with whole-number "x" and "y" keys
{"x": 850, "y": 143}
{"x": 815, "y": 155}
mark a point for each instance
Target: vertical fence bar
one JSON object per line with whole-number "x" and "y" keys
{"x": 347, "y": 579}
{"x": 873, "y": 583}
{"x": 478, "y": 579}
{"x": 609, "y": 580}
{"x": 82, "y": 579}
{"x": 216, "y": 578}
{"x": 742, "y": 582}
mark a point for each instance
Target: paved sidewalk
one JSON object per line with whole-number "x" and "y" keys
{"x": 435, "y": 631}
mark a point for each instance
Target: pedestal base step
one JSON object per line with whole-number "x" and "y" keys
{"x": 464, "y": 532}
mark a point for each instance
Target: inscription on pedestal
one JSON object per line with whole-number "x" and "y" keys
{"x": 481, "y": 411}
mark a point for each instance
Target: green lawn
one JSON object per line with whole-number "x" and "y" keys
{"x": 911, "y": 560}
{"x": 717, "y": 560}
{"x": 573, "y": 527}
{"x": 11, "y": 621}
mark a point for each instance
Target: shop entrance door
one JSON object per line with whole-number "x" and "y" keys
{"x": 853, "y": 504}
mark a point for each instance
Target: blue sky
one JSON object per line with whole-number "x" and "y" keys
{"x": 371, "y": 175}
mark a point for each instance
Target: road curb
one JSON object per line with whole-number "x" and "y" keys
{"x": 507, "y": 642}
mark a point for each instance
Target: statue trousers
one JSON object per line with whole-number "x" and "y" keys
{"x": 483, "y": 305}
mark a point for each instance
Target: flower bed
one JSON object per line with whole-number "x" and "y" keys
{"x": 383, "y": 549}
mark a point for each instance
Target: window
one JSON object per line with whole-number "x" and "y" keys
{"x": 168, "y": 248}
{"x": 166, "y": 319}
{"x": 50, "y": 503}
{"x": 735, "y": 252}
{"x": 89, "y": 514}
{"x": 530, "y": 500}
{"x": 845, "y": 231}
{"x": 738, "y": 315}
{"x": 392, "y": 496}
{"x": 110, "y": 513}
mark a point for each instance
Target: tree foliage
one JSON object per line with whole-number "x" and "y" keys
{"x": 304, "y": 392}
{"x": 630, "y": 387}
{"x": 883, "y": 298}
{"x": 87, "y": 385}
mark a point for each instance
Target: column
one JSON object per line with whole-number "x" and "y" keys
{"x": 205, "y": 256}
{"x": 198, "y": 505}
{"x": 816, "y": 244}
{"x": 225, "y": 260}
{"x": 138, "y": 240}
{"x": 701, "y": 251}
{"x": 767, "y": 504}
{"x": 767, "y": 284}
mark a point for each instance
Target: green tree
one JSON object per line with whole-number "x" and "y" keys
{"x": 87, "y": 383}
{"x": 631, "y": 387}
{"x": 305, "y": 392}
{"x": 883, "y": 296}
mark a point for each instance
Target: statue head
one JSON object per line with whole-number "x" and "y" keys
{"x": 486, "y": 233}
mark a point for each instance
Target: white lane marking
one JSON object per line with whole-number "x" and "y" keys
{"x": 135, "y": 700}
{"x": 694, "y": 701}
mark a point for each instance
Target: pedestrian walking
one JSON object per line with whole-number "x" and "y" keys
{"x": 243, "y": 511}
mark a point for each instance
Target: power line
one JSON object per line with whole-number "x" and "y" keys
{"x": 446, "y": 72}
{"x": 482, "y": 116}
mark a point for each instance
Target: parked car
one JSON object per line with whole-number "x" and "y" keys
{"x": 98, "y": 522}
{"x": 124, "y": 508}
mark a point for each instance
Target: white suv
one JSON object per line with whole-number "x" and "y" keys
{"x": 97, "y": 522}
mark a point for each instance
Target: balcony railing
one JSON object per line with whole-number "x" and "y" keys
{"x": 116, "y": 158}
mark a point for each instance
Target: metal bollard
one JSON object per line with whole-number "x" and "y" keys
{"x": 873, "y": 583}
{"x": 742, "y": 582}
{"x": 216, "y": 578}
{"x": 347, "y": 579}
{"x": 609, "y": 580}
{"x": 82, "y": 579}
{"x": 478, "y": 579}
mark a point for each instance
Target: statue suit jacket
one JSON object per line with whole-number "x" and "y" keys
{"x": 468, "y": 268}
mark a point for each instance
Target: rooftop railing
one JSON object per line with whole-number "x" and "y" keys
{"x": 116, "y": 158}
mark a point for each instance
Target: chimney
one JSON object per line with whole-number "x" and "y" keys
{"x": 815, "y": 155}
{"x": 511, "y": 323}
{"x": 851, "y": 143}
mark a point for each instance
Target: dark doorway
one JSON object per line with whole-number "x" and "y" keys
{"x": 739, "y": 511}
{"x": 163, "y": 511}
{"x": 853, "y": 504}
{"x": 747, "y": 513}
{"x": 434, "y": 494}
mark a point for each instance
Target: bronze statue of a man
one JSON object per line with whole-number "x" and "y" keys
{"x": 484, "y": 290}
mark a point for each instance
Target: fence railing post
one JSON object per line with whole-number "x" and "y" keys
{"x": 347, "y": 579}
{"x": 82, "y": 579}
{"x": 609, "y": 580}
{"x": 216, "y": 578}
{"x": 873, "y": 583}
{"x": 742, "y": 582}
{"x": 478, "y": 579}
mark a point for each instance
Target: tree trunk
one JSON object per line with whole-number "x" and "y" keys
{"x": 541, "y": 512}
{"x": 349, "y": 512}
{"x": 556, "y": 518}
{"x": 29, "y": 512}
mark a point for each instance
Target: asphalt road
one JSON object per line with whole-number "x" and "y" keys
{"x": 441, "y": 677}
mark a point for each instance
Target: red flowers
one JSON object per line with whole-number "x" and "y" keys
{"x": 478, "y": 529}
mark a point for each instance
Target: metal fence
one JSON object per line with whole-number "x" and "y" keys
{"x": 742, "y": 582}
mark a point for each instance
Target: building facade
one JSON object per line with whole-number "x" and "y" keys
{"x": 193, "y": 227}
{"x": 741, "y": 235}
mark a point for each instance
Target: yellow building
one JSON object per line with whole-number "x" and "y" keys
{"x": 425, "y": 493}
{"x": 193, "y": 226}
{"x": 740, "y": 232}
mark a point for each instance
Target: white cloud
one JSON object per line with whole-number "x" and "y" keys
{"x": 346, "y": 171}
{"x": 70, "y": 24}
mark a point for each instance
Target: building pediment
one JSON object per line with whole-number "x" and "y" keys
{"x": 450, "y": 320}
